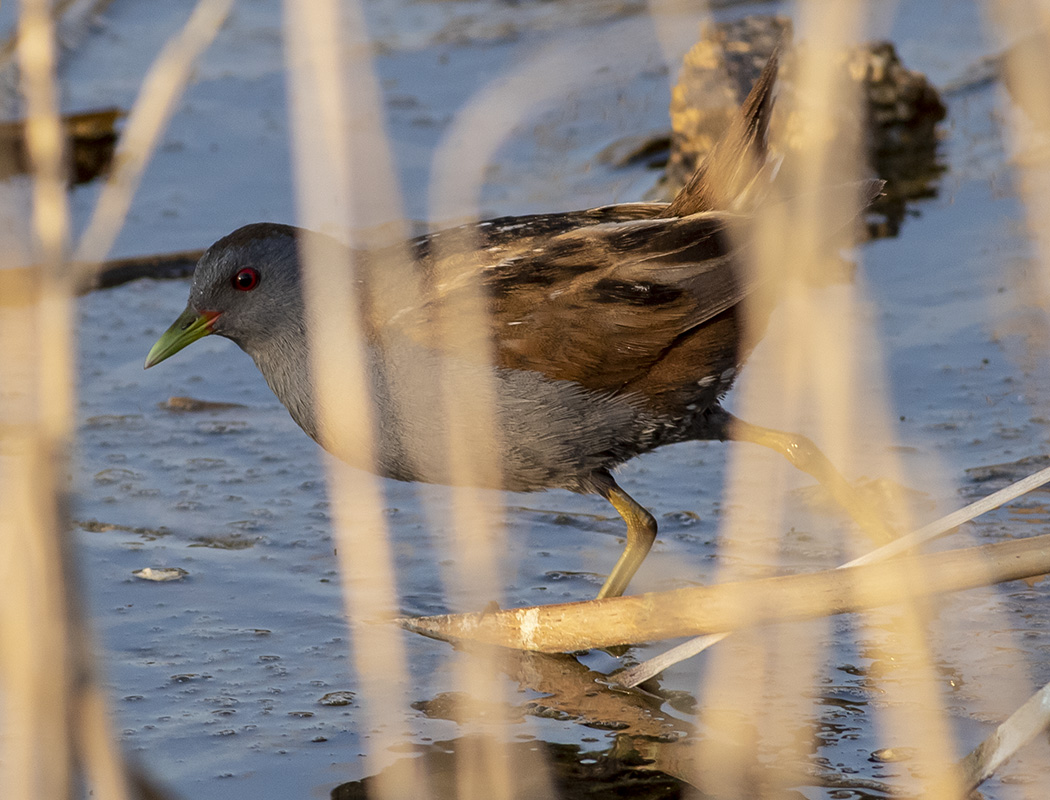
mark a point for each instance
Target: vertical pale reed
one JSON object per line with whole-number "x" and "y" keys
{"x": 468, "y": 148}
{"x": 466, "y": 399}
{"x": 56, "y": 724}
{"x": 164, "y": 84}
{"x": 161, "y": 89}
{"x": 847, "y": 404}
{"x": 37, "y": 669}
{"x": 55, "y": 728}
{"x": 1024, "y": 28}
{"x": 756, "y": 691}
{"x": 1025, "y": 25}
{"x": 674, "y": 38}
{"x": 343, "y": 180}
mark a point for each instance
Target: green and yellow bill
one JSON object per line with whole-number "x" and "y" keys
{"x": 188, "y": 328}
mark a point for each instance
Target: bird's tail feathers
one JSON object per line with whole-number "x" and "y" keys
{"x": 737, "y": 164}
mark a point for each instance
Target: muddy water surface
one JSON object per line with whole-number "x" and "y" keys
{"x": 236, "y": 681}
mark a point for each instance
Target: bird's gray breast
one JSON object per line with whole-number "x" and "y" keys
{"x": 444, "y": 420}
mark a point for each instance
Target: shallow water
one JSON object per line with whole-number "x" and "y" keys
{"x": 217, "y": 680}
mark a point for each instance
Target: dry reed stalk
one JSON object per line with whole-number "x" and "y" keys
{"x": 56, "y": 728}
{"x": 569, "y": 627}
{"x": 1024, "y": 27}
{"x": 805, "y": 372}
{"x": 53, "y": 699}
{"x": 467, "y": 150}
{"x": 163, "y": 86}
{"x": 37, "y": 658}
{"x": 69, "y": 19}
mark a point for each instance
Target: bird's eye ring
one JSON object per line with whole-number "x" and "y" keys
{"x": 245, "y": 280}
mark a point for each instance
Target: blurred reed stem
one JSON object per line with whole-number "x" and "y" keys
{"x": 56, "y": 732}
{"x": 338, "y": 141}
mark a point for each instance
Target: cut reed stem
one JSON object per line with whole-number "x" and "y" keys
{"x": 568, "y": 627}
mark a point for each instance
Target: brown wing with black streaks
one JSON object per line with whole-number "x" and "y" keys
{"x": 636, "y": 297}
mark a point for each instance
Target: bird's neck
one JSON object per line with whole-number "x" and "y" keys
{"x": 285, "y": 362}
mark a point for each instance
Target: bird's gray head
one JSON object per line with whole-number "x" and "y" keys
{"x": 251, "y": 280}
{"x": 246, "y": 287}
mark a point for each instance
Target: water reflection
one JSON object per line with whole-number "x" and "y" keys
{"x": 573, "y": 771}
{"x": 651, "y": 755}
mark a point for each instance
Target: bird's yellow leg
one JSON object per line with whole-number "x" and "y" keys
{"x": 641, "y": 533}
{"x": 806, "y": 456}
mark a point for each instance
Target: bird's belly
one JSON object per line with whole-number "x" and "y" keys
{"x": 537, "y": 433}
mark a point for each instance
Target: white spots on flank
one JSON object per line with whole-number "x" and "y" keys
{"x": 728, "y": 374}
{"x": 513, "y": 227}
{"x": 648, "y": 432}
{"x": 706, "y": 381}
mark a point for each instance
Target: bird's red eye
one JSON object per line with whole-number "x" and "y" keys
{"x": 246, "y": 279}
